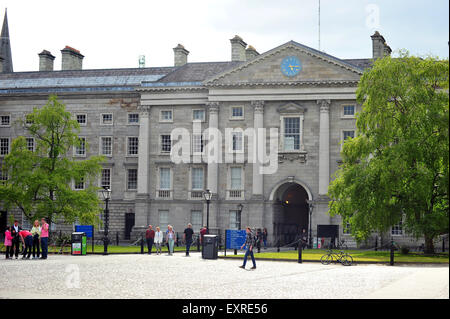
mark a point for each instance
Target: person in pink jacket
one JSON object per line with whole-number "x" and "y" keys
{"x": 8, "y": 242}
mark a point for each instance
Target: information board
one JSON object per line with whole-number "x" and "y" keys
{"x": 235, "y": 238}
{"x": 88, "y": 229}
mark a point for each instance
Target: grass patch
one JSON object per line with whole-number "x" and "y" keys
{"x": 358, "y": 256}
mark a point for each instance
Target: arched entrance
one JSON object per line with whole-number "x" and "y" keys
{"x": 291, "y": 212}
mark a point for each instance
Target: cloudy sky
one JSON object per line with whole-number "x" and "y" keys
{"x": 114, "y": 33}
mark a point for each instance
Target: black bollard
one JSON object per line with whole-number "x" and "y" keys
{"x": 142, "y": 244}
{"x": 392, "y": 254}
{"x": 278, "y": 247}
{"x": 443, "y": 245}
{"x": 117, "y": 238}
{"x": 198, "y": 244}
{"x": 235, "y": 251}
{"x": 300, "y": 250}
{"x": 376, "y": 243}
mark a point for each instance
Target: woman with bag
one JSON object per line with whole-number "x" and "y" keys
{"x": 36, "y": 232}
{"x": 158, "y": 240}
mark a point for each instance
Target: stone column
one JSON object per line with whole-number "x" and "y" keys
{"x": 258, "y": 123}
{"x": 324, "y": 146}
{"x": 142, "y": 205}
{"x": 213, "y": 166}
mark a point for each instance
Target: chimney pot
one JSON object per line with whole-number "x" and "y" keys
{"x": 380, "y": 48}
{"x": 180, "y": 55}
{"x": 238, "y": 49}
{"x": 72, "y": 59}
{"x": 46, "y": 60}
{"x": 250, "y": 53}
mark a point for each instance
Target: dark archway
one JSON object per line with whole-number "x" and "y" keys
{"x": 292, "y": 213}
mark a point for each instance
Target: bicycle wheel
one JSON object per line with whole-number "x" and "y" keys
{"x": 326, "y": 259}
{"x": 347, "y": 260}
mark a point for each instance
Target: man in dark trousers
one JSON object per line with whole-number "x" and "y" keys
{"x": 150, "y": 237}
{"x": 249, "y": 243}
{"x": 187, "y": 236}
{"x": 15, "y": 229}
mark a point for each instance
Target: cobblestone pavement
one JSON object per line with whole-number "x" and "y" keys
{"x": 144, "y": 276}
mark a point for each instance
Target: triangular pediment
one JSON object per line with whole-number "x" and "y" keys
{"x": 316, "y": 66}
{"x": 291, "y": 108}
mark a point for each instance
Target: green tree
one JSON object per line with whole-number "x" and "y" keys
{"x": 396, "y": 169}
{"x": 40, "y": 182}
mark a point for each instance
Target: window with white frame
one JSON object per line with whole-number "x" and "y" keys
{"x": 80, "y": 150}
{"x": 397, "y": 230}
{"x": 3, "y": 176}
{"x": 107, "y": 119}
{"x": 348, "y": 134}
{"x": 105, "y": 180}
{"x": 237, "y": 112}
{"x": 235, "y": 185}
{"x": 237, "y": 142}
{"x": 164, "y": 178}
{"x": 197, "y": 178}
{"x": 133, "y": 146}
{"x": 106, "y": 145}
{"x": 197, "y": 144}
{"x": 196, "y": 220}
{"x": 5, "y": 120}
{"x": 79, "y": 184}
{"x": 81, "y": 119}
{"x": 28, "y": 119}
{"x": 133, "y": 118}
{"x": 4, "y": 146}
{"x": 30, "y": 144}
{"x": 291, "y": 133}
{"x": 163, "y": 219}
{"x": 166, "y": 143}
{"x": 235, "y": 219}
{"x": 348, "y": 111}
{"x": 132, "y": 179}
{"x": 166, "y": 116}
{"x": 198, "y": 115}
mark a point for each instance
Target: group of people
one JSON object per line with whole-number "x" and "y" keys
{"x": 158, "y": 238}
{"x": 33, "y": 241}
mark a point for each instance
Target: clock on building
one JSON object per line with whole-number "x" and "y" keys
{"x": 291, "y": 66}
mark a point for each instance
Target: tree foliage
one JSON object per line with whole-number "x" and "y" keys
{"x": 396, "y": 169}
{"x": 40, "y": 182}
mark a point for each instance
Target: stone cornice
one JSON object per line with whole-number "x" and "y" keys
{"x": 286, "y": 83}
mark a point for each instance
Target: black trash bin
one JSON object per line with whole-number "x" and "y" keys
{"x": 79, "y": 246}
{"x": 210, "y": 247}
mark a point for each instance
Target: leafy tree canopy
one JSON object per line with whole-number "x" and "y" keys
{"x": 40, "y": 182}
{"x": 396, "y": 169}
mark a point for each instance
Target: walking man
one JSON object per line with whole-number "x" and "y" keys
{"x": 249, "y": 243}
{"x": 150, "y": 237}
{"x": 187, "y": 236}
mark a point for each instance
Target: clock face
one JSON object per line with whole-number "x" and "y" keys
{"x": 291, "y": 66}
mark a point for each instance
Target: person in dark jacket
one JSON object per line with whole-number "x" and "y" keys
{"x": 15, "y": 229}
{"x": 150, "y": 237}
{"x": 249, "y": 243}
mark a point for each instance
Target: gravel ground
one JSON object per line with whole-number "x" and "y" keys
{"x": 144, "y": 276}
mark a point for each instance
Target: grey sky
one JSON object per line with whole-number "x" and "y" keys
{"x": 113, "y": 33}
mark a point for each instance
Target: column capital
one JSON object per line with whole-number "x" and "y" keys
{"x": 324, "y": 105}
{"x": 213, "y": 107}
{"x": 258, "y": 106}
{"x": 144, "y": 109}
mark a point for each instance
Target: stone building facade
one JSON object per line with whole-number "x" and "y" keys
{"x": 131, "y": 116}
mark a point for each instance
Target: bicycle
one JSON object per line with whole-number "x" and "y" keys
{"x": 55, "y": 248}
{"x": 331, "y": 256}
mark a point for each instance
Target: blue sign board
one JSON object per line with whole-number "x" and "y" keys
{"x": 235, "y": 238}
{"x": 88, "y": 229}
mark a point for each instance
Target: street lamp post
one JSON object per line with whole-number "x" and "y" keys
{"x": 310, "y": 206}
{"x": 207, "y": 195}
{"x": 106, "y": 193}
{"x": 240, "y": 207}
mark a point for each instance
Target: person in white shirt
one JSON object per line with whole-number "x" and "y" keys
{"x": 158, "y": 240}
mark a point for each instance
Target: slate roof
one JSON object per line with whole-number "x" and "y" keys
{"x": 360, "y": 63}
{"x": 197, "y": 72}
{"x": 130, "y": 77}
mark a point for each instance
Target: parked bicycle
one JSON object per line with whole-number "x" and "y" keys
{"x": 342, "y": 257}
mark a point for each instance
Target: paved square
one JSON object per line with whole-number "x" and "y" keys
{"x": 144, "y": 276}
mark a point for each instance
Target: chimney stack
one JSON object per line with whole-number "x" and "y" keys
{"x": 180, "y": 55}
{"x": 72, "y": 59}
{"x": 250, "y": 53}
{"x": 380, "y": 49}
{"x": 46, "y": 61}
{"x": 238, "y": 49}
